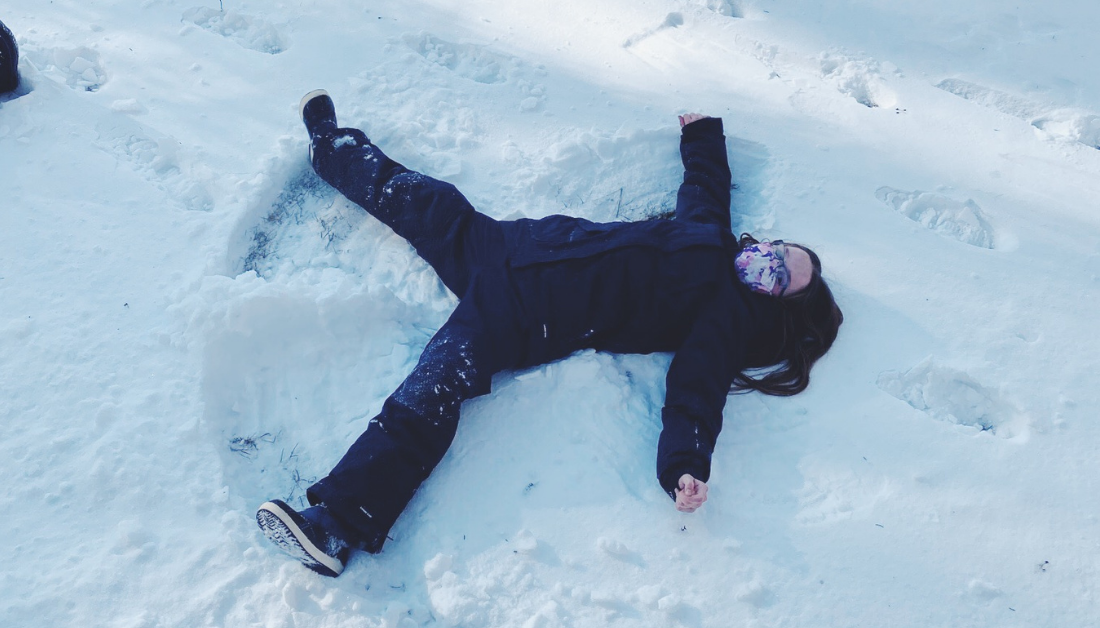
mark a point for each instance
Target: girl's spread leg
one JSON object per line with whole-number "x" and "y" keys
{"x": 432, "y": 215}
{"x": 371, "y": 485}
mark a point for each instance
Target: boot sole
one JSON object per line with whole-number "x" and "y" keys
{"x": 281, "y": 529}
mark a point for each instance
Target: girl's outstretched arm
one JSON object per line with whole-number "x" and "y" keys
{"x": 704, "y": 196}
{"x": 696, "y": 387}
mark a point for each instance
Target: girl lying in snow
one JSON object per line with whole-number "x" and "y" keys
{"x": 532, "y": 291}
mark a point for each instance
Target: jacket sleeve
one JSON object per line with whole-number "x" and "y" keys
{"x": 704, "y": 195}
{"x": 697, "y": 384}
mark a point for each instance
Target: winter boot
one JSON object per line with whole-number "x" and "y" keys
{"x": 312, "y": 536}
{"x": 318, "y": 113}
{"x": 9, "y": 61}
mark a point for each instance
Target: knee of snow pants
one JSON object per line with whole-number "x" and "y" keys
{"x": 374, "y": 482}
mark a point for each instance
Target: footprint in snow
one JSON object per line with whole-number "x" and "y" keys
{"x": 859, "y": 79}
{"x": 152, "y": 155}
{"x": 480, "y": 64}
{"x": 1064, "y": 124}
{"x": 955, "y": 397}
{"x": 961, "y": 220}
{"x": 471, "y": 61}
{"x": 830, "y": 495}
{"x": 248, "y": 31}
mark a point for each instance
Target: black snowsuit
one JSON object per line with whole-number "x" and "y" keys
{"x": 9, "y": 61}
{"x": 532, "y": 291}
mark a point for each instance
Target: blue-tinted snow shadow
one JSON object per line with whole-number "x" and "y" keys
{"x": 25, "y": 87}
{"x": 756, "y": 477}
{"x": 575, "y": 433}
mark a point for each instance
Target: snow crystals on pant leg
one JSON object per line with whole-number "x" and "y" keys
{"x": 439, "y": 383}
{"x": 344, "y": 140}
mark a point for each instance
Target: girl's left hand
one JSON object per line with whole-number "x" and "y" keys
{"x": 691, "y": 494}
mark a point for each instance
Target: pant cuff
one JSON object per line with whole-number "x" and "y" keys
{"x": 368, "y": 536}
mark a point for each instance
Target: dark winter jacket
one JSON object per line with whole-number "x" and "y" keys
{"x": 9, "y": 61}
{"x": 659, "y": 285}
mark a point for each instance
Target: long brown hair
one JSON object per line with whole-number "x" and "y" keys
{"x": 810, "y": 320}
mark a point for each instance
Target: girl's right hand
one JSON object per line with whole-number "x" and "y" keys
{"x": 691, "y": 494}
{"x": 688, "y": 118}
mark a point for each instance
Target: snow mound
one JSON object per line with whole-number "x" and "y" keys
{"x": 858, "y": 78}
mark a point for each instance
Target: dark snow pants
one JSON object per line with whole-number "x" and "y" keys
{"x": 370, "y": 487}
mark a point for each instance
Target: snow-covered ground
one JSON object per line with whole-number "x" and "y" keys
{"x": 191, "y": 323}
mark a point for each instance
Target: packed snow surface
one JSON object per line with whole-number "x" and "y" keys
{"x": 192, "y": 323}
